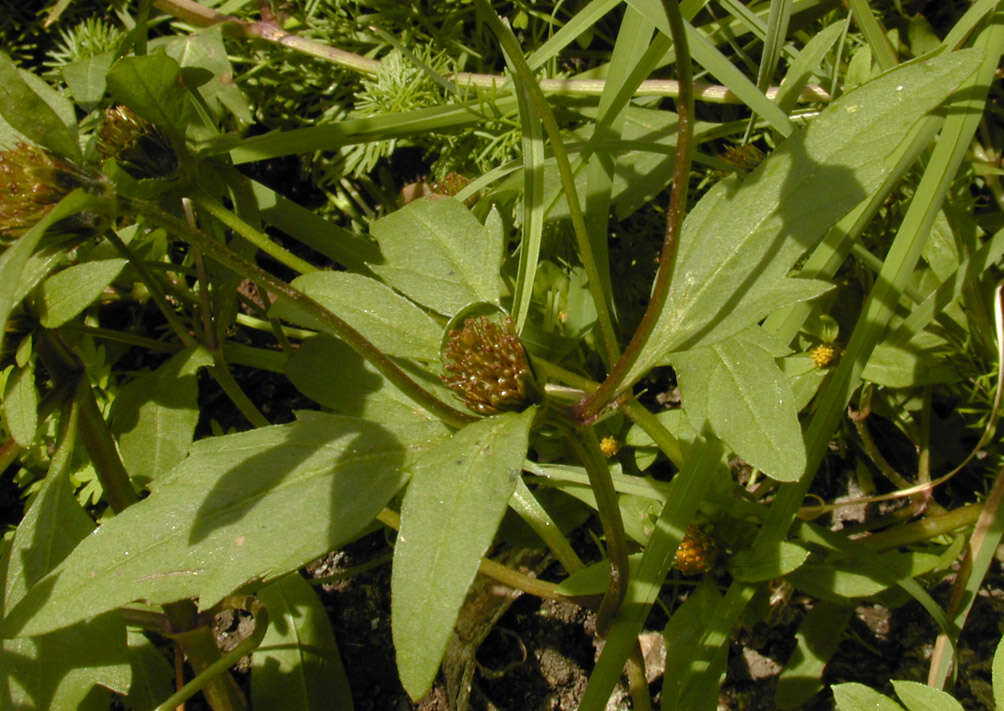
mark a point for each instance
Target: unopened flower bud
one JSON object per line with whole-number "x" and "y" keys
{"x": 32, "y": 180}
{"x": 486, "y": 365}
{"x": 141, "y": 149}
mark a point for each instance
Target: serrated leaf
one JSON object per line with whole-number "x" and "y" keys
{"x": 154, "y": 416}
{"x": 921, "y": 697}
{"x": 68, "y": 292}
{"x": 757, "y": 565}
{"x": 449, "y": 516}
{"x": 389, "y": 321}
{"x": 297, "y": 665}
{"x": 37, "y": 111}
{"x": 858, "y": 697}
{"x": 438, "y": 254}
{"x": 742, "y": 237}
{"x": 20, "y": 404}
{"x": 241, "y": 507}
{"x": 737, "y": 387}
{"x": 333, "y": 375}
{"x": 150, "y": 86}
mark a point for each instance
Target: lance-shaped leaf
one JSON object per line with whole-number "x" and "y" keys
{"x": 248, "y": 506}
{"x": 437, "y": 253}
{"x": 65, "y": 294}
{"x": 743, "y": 237}
{"x": 15, "y": 259}
{"x": 297, "y": 664}
{"x": 736, "y": 386}
{"x": 450, "y": 513}
{"x": 389, "y": 321}
{"x": 37, "y": 111}
{"x": 154, "y": 416}
{"x": 60, "y": 669}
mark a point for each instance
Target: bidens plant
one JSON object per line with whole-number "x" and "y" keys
{"x": 433, "y": 419}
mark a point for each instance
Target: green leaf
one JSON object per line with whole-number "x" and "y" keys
{"x": 753, "y": 566}
{"x": 390, "y": 322}
{"x": 449, "y": 516}
{"x": 247, "y": 506}
{"x": 350, "y": 250}
{"x": 86, "y": 78}
{"x": 151, "y": 86}
{"x": 737, "y": 387}
{"x": 923, "y": 360}
{"x": 333, "y": 375}
{"x": 998, "y": 675}
{"x": 594, "y": 579}
{"x": 862, "y": 577}
{"x": 858, "y": 697}
{"x": 438, "y": 254}
{"x": 683, "y": 635}
{"x": 16, "y": 257}
{"x": 204, "y": 49}
{"x": 742, "y": 238}
{"x": 921, "y": 697}
{"x": 152, "y": 676}
{"x": 57, "y": 670}
{"x": 66, "y": 293}
{"x": 20, "y": 404}
{"x": 33, "y": 108}
{"x": 154, "y": 416}
{"x": 297, "y": 665}
{"x": 817, "y": 638}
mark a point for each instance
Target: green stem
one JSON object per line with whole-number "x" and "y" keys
{"x": 514, "y": 52}
{"x": 384, "y": 365}
{"x": 155, "y": 288}
{"x": 202, "y": 16}
{"x": 637, "y": 681}
{"x": 213, "y": 671}
{"x": 101, "y": 447}
{"x": 255, "y": 237}
{"x": 590, "y": 408}
{"x": 526, "y": 505}
{"x": 587, "y": 448}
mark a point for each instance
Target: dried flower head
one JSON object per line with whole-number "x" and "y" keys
{"x": 696, "y": 552}
{"x": 824, "y": 354}
{"x": 32, "y": 180}
{"x": 745, "y": 158}
{"x": 487, "y": 366}
{"x": 142, "y": 149}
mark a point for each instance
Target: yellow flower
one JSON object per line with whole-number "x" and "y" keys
{"x": 824, "y": 354}
{"x": 609, "y": 446}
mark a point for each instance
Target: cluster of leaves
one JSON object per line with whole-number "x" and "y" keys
{"x": 459, "y": 368}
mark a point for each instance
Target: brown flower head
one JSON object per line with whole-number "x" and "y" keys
{"x": 487, "y": 366}
{"x": 142, "y": 149}
{"x": 696, "y": 552}
{"x": 32, "y": 180}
